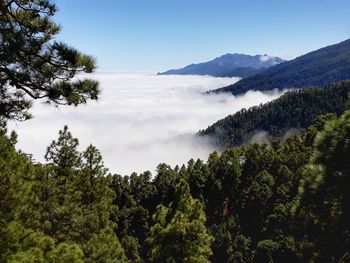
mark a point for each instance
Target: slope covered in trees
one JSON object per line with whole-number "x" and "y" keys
{"x": 315, "y": 69}
{"x": 293, "y": 110}
{"x": 255, "y": 203}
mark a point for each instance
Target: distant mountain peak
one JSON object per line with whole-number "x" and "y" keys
{"x": 317, "y": 68}
{"x": 228, "y": 65}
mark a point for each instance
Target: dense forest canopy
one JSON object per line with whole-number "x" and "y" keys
{"x": 257, "y": 203}
{"x": 293, "y": 111}
{"x": 315, "y": 69}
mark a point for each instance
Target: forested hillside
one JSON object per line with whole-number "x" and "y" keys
{"x": 255, "y": 203}
{"x": 292, "y": 111}
{"x": 260, "y": 203}
{"x": 318, "y": 68}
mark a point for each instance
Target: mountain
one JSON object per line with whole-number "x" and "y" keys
{"x": 229, "y": 65}
{"x": 293, "y": 110}
{"x": 318, "y": 68}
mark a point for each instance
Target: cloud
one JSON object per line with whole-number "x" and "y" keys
{"x": 260, "y": 137}
{"x": 265, "y": 58}
{"x": 140, "y": 120}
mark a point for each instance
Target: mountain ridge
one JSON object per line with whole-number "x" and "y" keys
{"x": 228, "y": 65}
{"x": 318, "y": 68}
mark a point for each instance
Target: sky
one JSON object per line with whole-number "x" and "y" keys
{"x": 156, "y": 35}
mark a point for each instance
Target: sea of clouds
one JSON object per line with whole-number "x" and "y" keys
{"x": 140, "y": 120}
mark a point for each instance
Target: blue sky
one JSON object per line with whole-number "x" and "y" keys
{"x": 155, "y": 35}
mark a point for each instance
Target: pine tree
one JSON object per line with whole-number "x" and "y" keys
{"x": 97, "y": 237}
{"x": 179, "y": 234}
{"x": 65, "y": 216}
{"x": 325, "y": 200}
{"x": 80, "y": 202}
{"x": 21, "y": 218}
{"x": 33, "y": 65}
{"x": 16, "y": 173}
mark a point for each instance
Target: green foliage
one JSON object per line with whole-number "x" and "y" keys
{"x": 66, "y": 252}
{"x": 179, "y": 234}
{"x": 252, "y": 203}
{"x": 280, "y": 202}
{"x": 315, "y": 69}
{"x": 136, "y": 201}
{"x": 260, "y": 189}
{"x": 33, "y": 65}
{"x": 59, "y": 212}
{"x": 80, "y": 204}
{"x": 16, "y": 186}
{"x": 294, "y": 110}
{"x": 240, "y": 251}
{"x": 325, "y": 200}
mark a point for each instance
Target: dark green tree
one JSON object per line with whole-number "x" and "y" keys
{"x": 97, "y": 237}
{"x": 324, "y": 206}
{"x": 179, "y": 234}
{"x": 80, "y": 201}
{"x": 64, "y": 215}
{"x": 16, "y": 173}
{"x": 22, "y": 238}
{"x": 135, "y": 199}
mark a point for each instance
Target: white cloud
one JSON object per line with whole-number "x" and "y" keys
{"x": 140, "y": 120}
{"x": 265, "y": 58}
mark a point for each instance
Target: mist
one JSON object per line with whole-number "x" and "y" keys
{"x": 140, "y": 120}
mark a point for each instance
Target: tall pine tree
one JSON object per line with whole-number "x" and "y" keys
{"x": 179, "y": 233}
{"x": 80, "y": 202}
{"x": 35, "y": 66}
